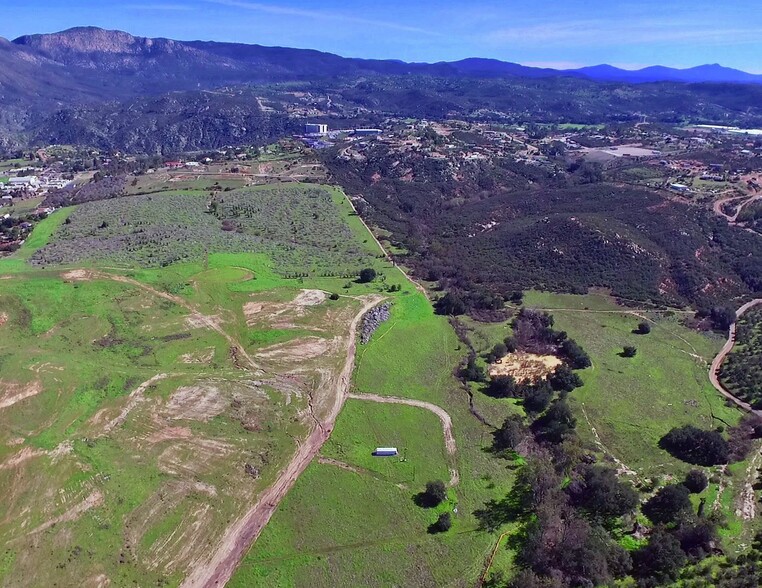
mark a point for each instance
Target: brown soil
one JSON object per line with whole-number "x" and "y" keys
{"x": 524, "y": 367}
{"x": 169, "y": 434}
{"x": 78, "y": 275}
{"x": 135, "y": 398}
{"x": 95, "y": 499}
{"x": 204, "y": 356}
{"x": 193, "y": 457}
{"x": 3, "y": 318}
{"x": 13, "y": 392}
{"x": 239, "y": 537}
{"x": 200, "y": 402}
{"x": 298, "y": 349}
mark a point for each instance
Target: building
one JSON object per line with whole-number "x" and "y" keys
{"x": 24, "y": 182}
{"x": 385, "y": 452}
{"x": 364, "y": 132}
{"x": 316, "y": 129}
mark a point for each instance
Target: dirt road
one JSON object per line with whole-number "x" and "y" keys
{"x": 727, "y": 348}
{"x": 440, "y": 412}
{"x": 238, "y": 538}
{"x": 417, "y": 286}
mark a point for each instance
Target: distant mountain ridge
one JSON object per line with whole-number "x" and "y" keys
{"x": 96, "y": 48}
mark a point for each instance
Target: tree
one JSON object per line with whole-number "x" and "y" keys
{"x": 598, "y": 491}
{"x": 501, "y": 387}
{"x": 510, "y": 343}
{"x": 450, "y": 304}
{"x": 643, "y": 328}
{"x": 557, "y": 423}
{"x": 499, "y": 351}
{"x": 537, "y": 397}
{"x": 629, "y": 351}
{"x": 367, "y": 274}
{"x": 696, "y": 446}
{"x": 564, "y": 379}
{"x": 696, "y": 481}
{"x": 578, "y": 359}
{"x": 512, "y": 432}
{"x": 436, "y": 492}
{"x": 722, "y": 317}
{"x": 473, "y": 372}
{"x": 661, "y": 559}
{"x": 443, "y": 524}
{"x": 671, "y": 504}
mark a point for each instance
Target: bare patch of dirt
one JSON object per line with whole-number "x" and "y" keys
{"x": 200, "y": 402}
{"x": 525, "y": 367}
{"x": 193, "y": 456}
{"x": 169, "y": 434}
{"x": 747, "y": 507}
{"x": 298, "y": 349}
{"x": 309, "y": 298}
{"x": 204, "y": 356}
{"x": 135, "y": 398}
{"x": 13, "y": 392}
{"x": 78, "y": 275}
{"x": 22, "y": 456}
{"x": 95, "y": 499}
{"x": 3, "y": 318}
{"x": 99, "y": 581}
{"x": 337, "y": 463}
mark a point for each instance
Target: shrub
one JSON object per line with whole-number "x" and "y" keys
{"x": 443, "y": 524}
{"x": 537, "y": 398}
{"x": 629, "y": 351}
{"x": 696, "y": 481}
{"x": 510, "y": 434}
{"x": 367, "y": 275}
{"x": 436, "y": 492}
{"x": 578, "y": 359}
{"x": 333, "y": 296}
{"x": 670, "y": 504}
{"x": 643, "y": 328}
{"x": 696, "y": 446}
{"x": 450, "y": 304}
{"x": 564, "y": 379}
{"x": 501, "y": 387}
{"x": 661, "y": 559}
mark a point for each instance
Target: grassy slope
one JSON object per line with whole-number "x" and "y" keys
{"x": 313, "y": 542}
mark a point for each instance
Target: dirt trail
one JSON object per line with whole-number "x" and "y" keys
{"x": 440, "y": 412}
{"x": 417, "y": 286}
{"x": 714, "y": 370}
{"x": 209, "y": 322}
{"x": 135, "y": 398}
{"x": 218, "y": 569}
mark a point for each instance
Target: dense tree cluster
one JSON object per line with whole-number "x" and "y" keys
{"x": 696, "y": 446}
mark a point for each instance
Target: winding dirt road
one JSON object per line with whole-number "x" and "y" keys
{"x": 218, "y": 569}
{"x": 437, "y": 410}
{"x": 714, "y": 370}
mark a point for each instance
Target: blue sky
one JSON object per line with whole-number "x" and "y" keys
{"x": 566, "y": 33}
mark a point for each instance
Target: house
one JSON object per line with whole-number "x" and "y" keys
{"x": 32, "y": 182}
{"x": 173, "y": 164}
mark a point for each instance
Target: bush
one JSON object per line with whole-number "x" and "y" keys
{"x": 670, "y": 504}
{"x": 512, "y": 432}
{"x": 537, "y": 397}
{"x": 367, "y": 275}
{"x": 450, "y": 304}
{"x": 643, "y": 328}
{"x": 696, "y": 446}
{"x": 501, "y": 387}
{"x": 578, "y": 359}
{"x": 661, "y": 559}
{"x": 696, "y": 481}
{"x": 499, "y": 351}
{"x": 473, "y": 372}
{"x": 436, "y": 492}
{"x": 629, "y": 351}
{"x": 443, "y": 524}
{"x": 333, "y": 296}
{"x": 564, "y": 379}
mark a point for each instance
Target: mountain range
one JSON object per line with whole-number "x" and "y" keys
{"x": 91, "y": 85}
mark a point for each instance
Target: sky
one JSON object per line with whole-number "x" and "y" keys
{"x": 565, "y": 34}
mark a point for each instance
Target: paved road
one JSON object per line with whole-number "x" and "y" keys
{"x": 714, "y": 370}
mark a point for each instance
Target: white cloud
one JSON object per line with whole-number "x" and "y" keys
{"x": 161, "y": 7}
{"x": 638, "y": 32}
{"x": 321, "y": 15}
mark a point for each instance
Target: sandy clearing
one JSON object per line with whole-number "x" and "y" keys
{"x": 99, "y": 581}
{"x": 747, "y": 508}
{"x": 13, "y": 392}
{"x": 3, "y": 318}
{"x": 525, "y": 367}
{"x": 199, "y": 402}
{"x": 79, "y": 275}
{"x": 95, "y": 499}
{"x": 239, "y": 537}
